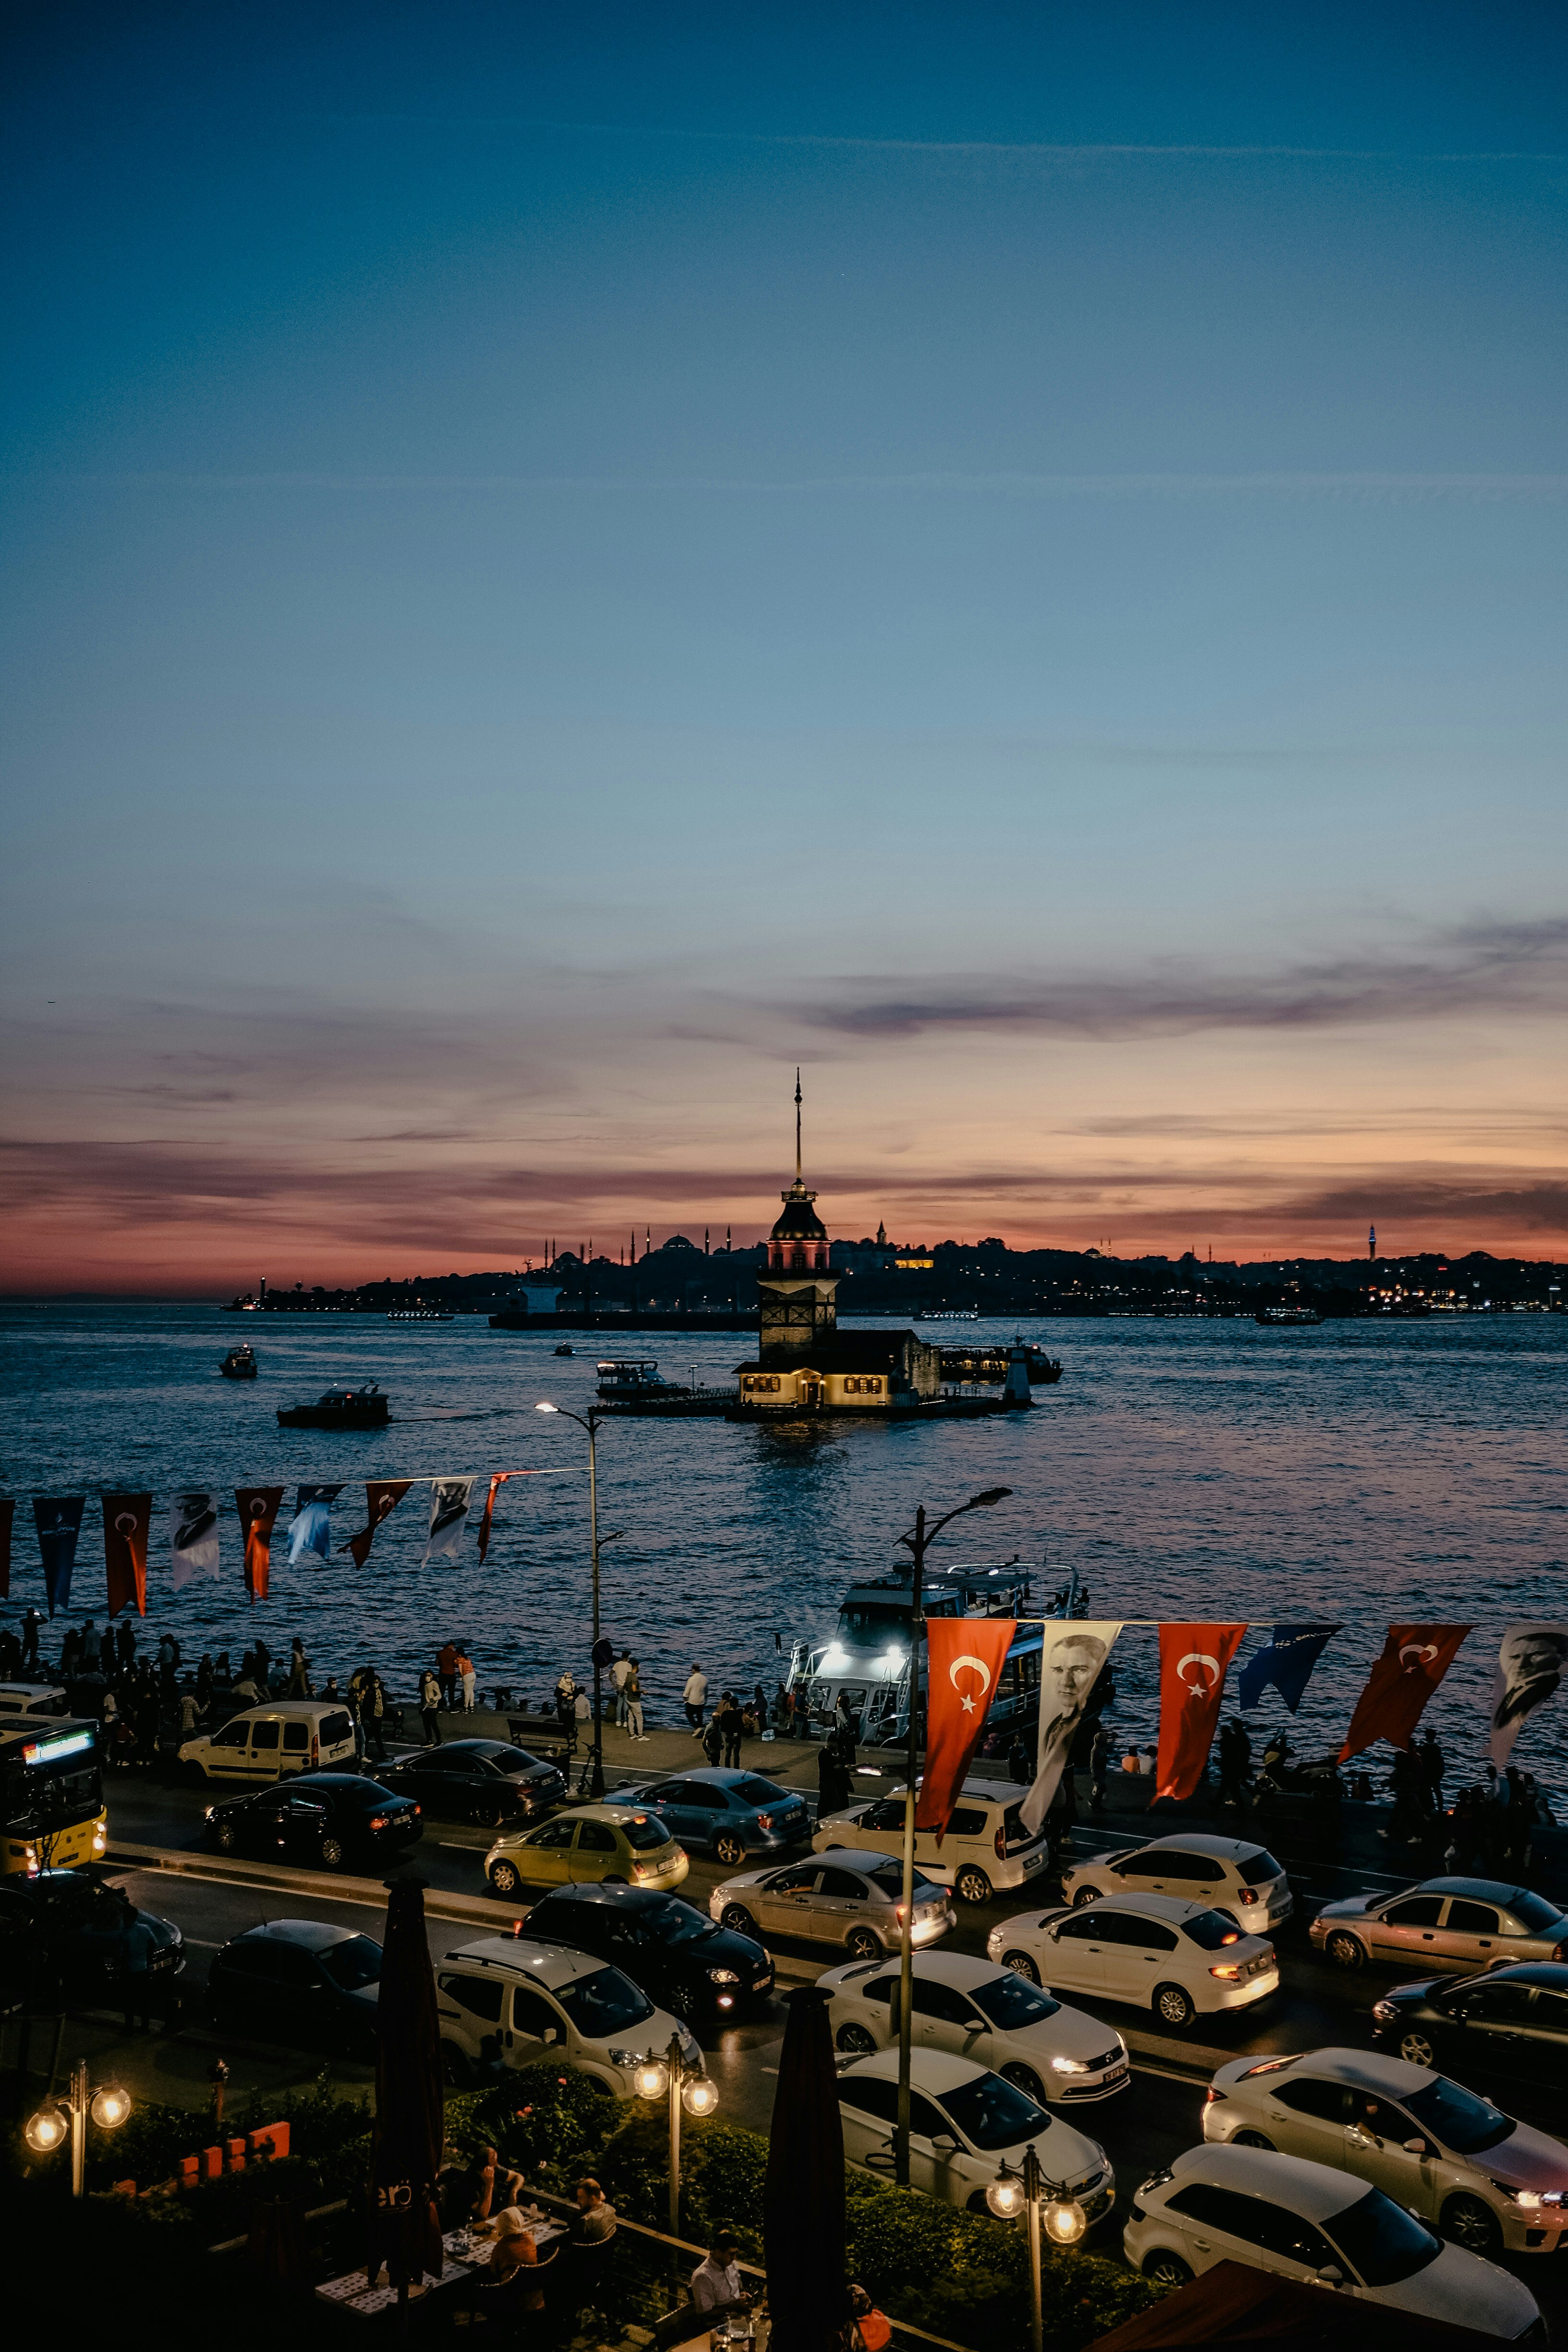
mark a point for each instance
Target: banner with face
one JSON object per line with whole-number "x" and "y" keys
{"x": 1531, "y": 1663}
{"x": 449, "y": 1499}
{"x": 1074, "y": 1652}
{"x": 1193, "y": 1662}
{"x": 127, "y": 1527}
{"x": 194, "y": 1534}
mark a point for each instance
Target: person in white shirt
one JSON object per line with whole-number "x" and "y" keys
{"x": 620, "y": 1676}
{"x": 694, "y": 1697}
{"x": 716, "y": 2283}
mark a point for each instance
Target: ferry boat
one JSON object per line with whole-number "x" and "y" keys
{"x": 1290, "y": 1318}
{"x": 630, "y": 1378}
{"x": 239, "y": 1364}
{"x": 867, "y": 1662}
{"x": 419, "y": 1315}
{"x": 363, "y": 1407}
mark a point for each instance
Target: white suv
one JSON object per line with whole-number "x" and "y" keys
{"x": 1234, "y": 1874}
{"x": 985, "y": 1847}
{"x": 535, "y": 2001}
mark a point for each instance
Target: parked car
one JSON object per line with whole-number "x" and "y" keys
{"x": 836, "y": 1898}
{"x": 297, "y": 1981}
{"x": 1453, "y": 1923}
{"x": 1179, "y": 1960}
{"x": 331, "y": 1818}
{"x": 1232, "y": 1875}
{"x": 728, "y": 1814}
{"x": 1511, "y": 2022}
{"x": 267, "y": 1742}
{"x": 664, "y": 1943}
{"x": 618, "y": 1845}
{"x": 984, "y": 1850}
{"x": 1315, "y": 2223}
{"x": 33, "y": 1698}
{"x": 478, "y": 1781}
{"x": 964, "y": 2124}
{"x": 61, "y": 1935}
{"x": 972, "y": 2008}
{"x": 505, "y": 1998}
{"x": 1455, "y": 2160}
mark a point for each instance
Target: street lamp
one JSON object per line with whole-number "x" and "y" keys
{"x": 590, "y": 1422}
{"x": 1012, "y": 2193}
{"x": 918, "y": 1541}
{"x": 686, "y": 2087}
{"x": 108, "y": 2107}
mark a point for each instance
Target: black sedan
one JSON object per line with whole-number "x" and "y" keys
{"x": 663, "y": 1943}
{"x": 1511, "y": 2022}
{"x": 62, "y": 1935}
{"x": 296, "y": 1980}
{"x": 478, "y": 1781}
{"x": 331, "y": 1819}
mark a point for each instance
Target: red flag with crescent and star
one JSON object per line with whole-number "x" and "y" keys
{"x": 127, "y": 1519}
{"x": 1414, "y": 1661}
{"x": 1193, "y": 1660}
{"x": 381, "y": 1496}
{"x": 964, "y": 1657}
{"x": 258, "y": 1508}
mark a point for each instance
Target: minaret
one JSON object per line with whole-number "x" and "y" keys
{"x": 798, "y": 1294}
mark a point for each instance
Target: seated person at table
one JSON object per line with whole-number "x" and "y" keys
{"x": 484, "y": 2185}
{"x": 716, "y": 2283}
{"x": 514, "y": 2251}
{"x": 595, "y": 2217}
{"x": 869, "y": 2328}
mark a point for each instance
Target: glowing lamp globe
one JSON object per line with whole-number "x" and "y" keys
{"x": 47, "y": 2130}
{"x": 1006, "y": 2195}
{"x": 699, "y": 2096}
{"x": 651, "y": 2079}
{"x": 1065, "y": 2221}
{"x": 111, "y": 2106}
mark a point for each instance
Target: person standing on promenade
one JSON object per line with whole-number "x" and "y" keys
{"x": 430, "y": 1707}
{"x": 634, "y": 1701}
{"x": 567, "y": 1709}
{"x": 730, "y": 1725}
{"x": 298, "y": 1672}
{"x": 373, "y": 1707}
{"x": 467, "y": 1677}
{"x": 31, "y": 1621}
{"x": 620, "y": 1676}
{"x": 446, "y": 1668}
{"x": 1429, "y": 1757}
{"x": 1098, "y": 1766}
{"x": 694, "y": 1699}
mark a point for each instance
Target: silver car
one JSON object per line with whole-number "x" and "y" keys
{"x": 839, "y": 1898}
{"x": 1447, "y": 1922}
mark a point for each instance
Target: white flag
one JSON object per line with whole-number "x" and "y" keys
{"x": 1532, "y": 1662}
{"x": 193, "y": 1535}
{"x": 449, "y": 1515}
{"x": 1074, "y": 1652}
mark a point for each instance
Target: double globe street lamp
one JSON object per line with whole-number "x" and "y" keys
{"x": 686, "y": 2087}
{"x": 1027, "y": 2191}
{"x": 108, "y": 2107}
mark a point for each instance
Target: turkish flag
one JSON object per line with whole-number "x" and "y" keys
{"x": 381, "y": 1496}
{"x": 259, "y": 1508}
{"x": 500, "y": 1479}
{"x": 964, "y": 1657}
{"x": 1414, "y": 1661}
{"x": 127, "y": 1519}
{"x": 1193, "y": 1662}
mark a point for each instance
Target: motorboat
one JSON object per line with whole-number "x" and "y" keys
{"x": 626, "y": 1378}
{"x": 363, "y": 1407}
{"x": 239, "y": 1364}
{"x": 565, "y": 1349}
{"x": 419, "y": 1315}
{"x": 1287, "y": 1318}
{"x": 867, "y": 1662}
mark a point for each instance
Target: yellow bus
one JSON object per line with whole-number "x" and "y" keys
{"x": 51, "y": 1790}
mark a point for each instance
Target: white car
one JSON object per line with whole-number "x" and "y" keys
{"x": 1484, "y": 2180}
{"x": 538, "y": 2001}
{"x": 852, "y": 1899}
{"x": 985, "y": 1847}
{"x": 1310, "y": 2223}
{"x": 1234, "y": 1874}
{"x": 33, "y": 1698}
{"x": 267, "y": 1742}
{"x": 972, "y": 2008}
{"x": 964, "y": 2123}
{"x": 1177, "y": 1959}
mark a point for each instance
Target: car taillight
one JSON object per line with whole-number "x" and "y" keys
{"x": 1560, "y": 1951}
{"x": 1228, "y": 1970}
{"x": 765, "y": 1821}
{"x": 1000, "y": 1843}
{"x": 416, "y": 1812}
{"x": 378, "y": 1821}
{"x": 315, "y": 1750}
{"x": 1249, "y": 1895}
{"x": 1212, "y": 2097}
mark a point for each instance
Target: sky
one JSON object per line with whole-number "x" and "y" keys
{"x": 559, "y": 563}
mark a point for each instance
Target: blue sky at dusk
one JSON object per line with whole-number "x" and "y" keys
{"x": 560, "y": 562}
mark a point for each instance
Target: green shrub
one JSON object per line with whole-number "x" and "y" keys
{"x": 548, "y": 2120}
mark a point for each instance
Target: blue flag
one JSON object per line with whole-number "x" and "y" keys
{"x": 1286, "y": 1662}
{"x": 58, "y": 1521}
{"x": 311, "y": 1528}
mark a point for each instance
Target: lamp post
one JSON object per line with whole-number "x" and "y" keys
{"x": 1065, "y": 2221}
{"x": 685, "y": 2087}
{"x": 590, "y": 1422}
{"x": 53, "y": 2124}
{"x": 918, "y": 1541}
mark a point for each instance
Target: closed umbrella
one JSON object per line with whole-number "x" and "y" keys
{"x": 802, "y": 2211}
{"x": 405, "y": 2221}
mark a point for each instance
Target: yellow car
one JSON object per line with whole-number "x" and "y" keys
{"x": 610, "y": 1845}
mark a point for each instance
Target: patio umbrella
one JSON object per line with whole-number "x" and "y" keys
{"x": 405, "y": 2221}
{"x": 802, "y": 2207}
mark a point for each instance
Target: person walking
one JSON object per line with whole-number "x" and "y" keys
{"x": 1099, "y": 1757}
{"x": 712, "y": 1740}
{"x": 467, "y": 1677}
{"x": 31, "y": 1621}
{"x": 620, "y": 1676}
{"x": 430, "y": 1707}
{"x": 189, "y": 1714}
{"x": 446, "y": 1669}
{"x": 1429, "y": 1761}
{"x": 694, "y": 1699}
{"x": 567, "y": 1709}
{"x": 298, "y": 1672}
{"x": 634, "y": 1701}
{"x": 125, "y": 1644}
{"x": 731, "y": 1725}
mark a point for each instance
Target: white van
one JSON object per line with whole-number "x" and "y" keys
{"x": 544, "y": 2000}
{"x": 986, "y": 1848}
{"x": 267, "y": 1742}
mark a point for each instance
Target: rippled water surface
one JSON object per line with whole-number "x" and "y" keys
{"x": 1190, "y": 1470}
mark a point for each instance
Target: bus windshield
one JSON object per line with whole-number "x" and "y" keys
{"x": 52, "y": 1787}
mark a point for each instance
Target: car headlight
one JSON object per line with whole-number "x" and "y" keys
{"x": 211, "y": 1814}
{"x": 1156, "y": 2179}
{"x": 1069, "y": 2066}
{"x": 1385, "y": 2012}
{"x": 626, "y": 2058}
{"x": 723, "y": 1976}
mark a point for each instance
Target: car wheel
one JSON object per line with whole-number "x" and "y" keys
{"x": 1173, "y": 2007}
{"x": 1166, "y": 2269}
{"x": 1025, "y": 2079}
{"x": 505, "y": 1878}
{"x": 489, "y": 1812}
{"x": 683, "y": 2002}
{"x": 971, "y": 1886}
{"x": 455, "y": 2067}
{"x": 1022, "y": 1965}
{"x": 1082, "y": 1895}
{"x": 226, "y": 1837}
{"x": 192, "y": 1775}
{"x": 738, "y": 1919}
{"x": 1473, "y": 2225}
{"x": 856, "y": 2041}
{"x": 863, "y": 1945}
{"x": 1416, "y": 2050}
{"x": 728, "y": 1849}
{"x": 333, "y": 1853}
{"x": 1252, "y": 2140}
{"x": 1346, "y": 1951}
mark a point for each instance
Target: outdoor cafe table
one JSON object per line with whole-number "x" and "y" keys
{"x": 353, "y": 2293}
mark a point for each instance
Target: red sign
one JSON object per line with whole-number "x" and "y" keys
{"x": 1193, "y": 1662}
{"x": 126, "y": 1520}
{"x": 964, "y": 1657}
{"x": 1414, "y": 1661}
{"x": 258, "y": 1508}
{"x": 381, "y": 1496}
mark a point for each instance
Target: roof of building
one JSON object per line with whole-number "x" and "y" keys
{"x": 842, "y": 1351}
{"x": 799, "y": 1221}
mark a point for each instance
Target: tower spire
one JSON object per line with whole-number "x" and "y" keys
{"x": 797, "y": 1123}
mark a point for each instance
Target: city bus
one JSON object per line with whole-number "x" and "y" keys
{"x": 51, "y": 1788}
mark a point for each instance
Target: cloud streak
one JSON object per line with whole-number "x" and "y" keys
{"x": 1378, "y": 488}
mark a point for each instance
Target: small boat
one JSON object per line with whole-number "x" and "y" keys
{"x": 419, "y": 1315}
{"x": 341, "y": 1408}
{"x": 239, "y": 1364}
{"x": 565, "y": 1349}
{"x": 1287, "y": 1318}
{"x": 625, "y": 1376}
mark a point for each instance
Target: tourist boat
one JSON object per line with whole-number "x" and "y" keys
{"x": 624, "y": 1378}
{"x": 1290, "y": 1318}
{"x": 419, "y": 1315}
{"x": 979, "y": 1365}
{"x": 867, "y": 1662}
{"x": 239, "y": 1364}
{"x": 363, "y": 1407}
{"x": 948, "y": 1315}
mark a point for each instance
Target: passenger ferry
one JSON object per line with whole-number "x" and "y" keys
{"x": 624, "y": 1377}
{"x": 867, "y": 1663}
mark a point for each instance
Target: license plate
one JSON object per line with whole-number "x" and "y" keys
{"x": 1033, "y": 1862}
{"x": 1113, "y": 2072}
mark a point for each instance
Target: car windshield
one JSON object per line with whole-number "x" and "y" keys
{"x": 1210, "y": 1930}
{"x": 890, "y": 1877}
{"x": 351, "y": 1964}
{"x": 1007, "y": 2001}
{"x": 676, "y": 1922}
{"x": 1457, "y": 2118}
{"x": 1533, "y": 1911}
{"x": 606, "y": 2002}
{"x": 1258, "y": 1864}
{"x": 1381, "y": 2243}
{"x": 642, "y": 1835}
{"x": 990, "y": 2113}
{"x": 760, "y": 1792}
